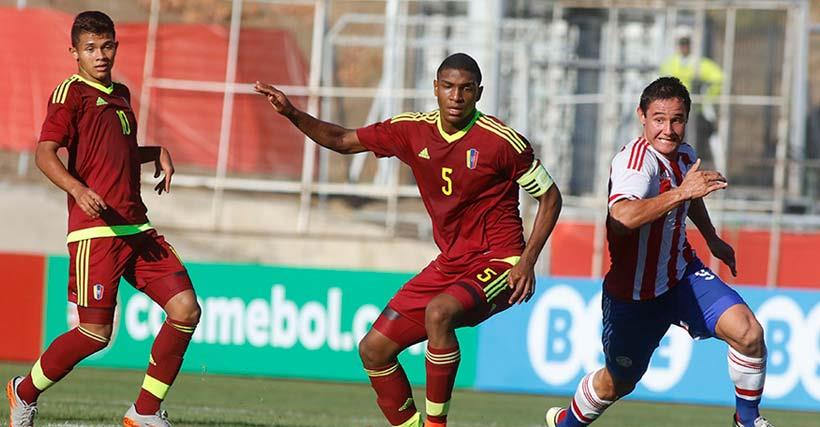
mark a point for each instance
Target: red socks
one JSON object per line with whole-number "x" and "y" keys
{"x": 58, "y": 360}
{"x": 442, "y": 366}
{"x": 164, "y": 363}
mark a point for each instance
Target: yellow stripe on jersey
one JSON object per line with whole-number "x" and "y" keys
{"x": 107, "y": 90}
{"x": 536, "y": 180}
{"x": 456, "y": 136}
{"x": 108, "y": 231}
{"x": 504, "y": 132}
{"x": 61, "y": 93}
{"x": 429, "y": 117}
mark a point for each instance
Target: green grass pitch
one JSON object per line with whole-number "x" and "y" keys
{"x": 99, "y": 397}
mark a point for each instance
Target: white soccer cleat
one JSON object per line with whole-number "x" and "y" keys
{"x": 133, "y": 419}
{"x": 552, "y": 416}
{"x": 759, "y": 422}
{"x": 21, "y": 414}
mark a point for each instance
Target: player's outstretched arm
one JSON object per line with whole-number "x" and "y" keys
{"x": 328, "y": 135}
{"x": 719, "y": 248}
{"x": 162, "y": 164}
{"x": 51, "y": 166}
{"x": 632, "y": 214}
{"x": 522, "y": 275}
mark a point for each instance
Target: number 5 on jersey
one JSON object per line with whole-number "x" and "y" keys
{"x": 445, "y": 175}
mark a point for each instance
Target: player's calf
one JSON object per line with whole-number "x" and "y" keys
{"x": 588, "y": 403}
{"x": 748, "y": 375}
{"x": 164, "y": 364}
{"x": 59, "y": 359}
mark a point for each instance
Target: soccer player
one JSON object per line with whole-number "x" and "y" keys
{"x": 109, "y": 235}
{"x": 469, "y": 167}
{"x": 656, "y": 279}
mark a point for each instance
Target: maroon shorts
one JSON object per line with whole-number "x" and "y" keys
{"x": 482, "y": 290}
{"x": 145, "y": 260}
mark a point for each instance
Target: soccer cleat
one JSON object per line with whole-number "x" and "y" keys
{"x": 133, "y": 419}
{"x": 553, "y": 416}
{"x": 759, "y": 422}
{"x": 21, "y": 414}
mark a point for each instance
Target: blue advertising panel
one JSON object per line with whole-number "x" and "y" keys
{"x": 548, "y": 345}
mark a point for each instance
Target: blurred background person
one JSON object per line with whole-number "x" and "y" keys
{"x": 701, "y": 76}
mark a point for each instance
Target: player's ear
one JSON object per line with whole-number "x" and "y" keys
{"x": 641, "y": 116}
{"x": 435, "y": 87}
{"x": 74, "y": 53}
{"x": 478, "y": 93}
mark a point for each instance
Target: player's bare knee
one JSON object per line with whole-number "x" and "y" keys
{"x": 184, "y": 308}
{"x": 372, "y": 354}
{"x": 751, "y": 342}
{"x": 439, "y": 315}
{"x": 609, "y": 388}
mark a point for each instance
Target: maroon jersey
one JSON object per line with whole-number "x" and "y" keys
{"x": 98, "y": 128}
{"x": 467, "y": 180}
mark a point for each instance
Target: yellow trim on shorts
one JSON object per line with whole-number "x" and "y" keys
{"x": 108, "y": 231}
{"x": 81, "y": 261}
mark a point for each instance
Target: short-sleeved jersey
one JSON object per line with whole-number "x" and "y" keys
{"x": 98, "y": 128}
{"x": 647, "y": 262}
{"x": 467, "y": 180}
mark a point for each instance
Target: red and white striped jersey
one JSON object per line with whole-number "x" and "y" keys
{"x": 649, "y": 261}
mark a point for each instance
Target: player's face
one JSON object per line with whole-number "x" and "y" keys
{"x": 95, "y": 56}
{"x": 457, "y": 92}
{"x": 664, "y": 124}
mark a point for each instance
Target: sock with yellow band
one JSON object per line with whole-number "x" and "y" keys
{"x": 65, "y": 352}
{"x": 163, "y": 365}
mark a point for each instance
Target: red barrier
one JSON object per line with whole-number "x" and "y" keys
{"x": 186, "y": 122}
{"x": 22, "y": 306}
{"x": 572, "y": 248}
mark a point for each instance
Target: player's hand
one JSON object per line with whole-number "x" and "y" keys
{"x": 163, "y": 164}
{"x": 724, "y": 252}
{"x": 522, "y": 281}
{"x": 276, "y": 97}
{"x": 698, "y": 183}
{"x": 90, "y": 202}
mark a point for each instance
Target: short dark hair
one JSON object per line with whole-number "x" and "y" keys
{"x": 91, "y": 21}
{"x": 460, "y": 61}
{"x": 665, "y": 88}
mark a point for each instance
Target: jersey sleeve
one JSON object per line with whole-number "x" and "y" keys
{"x": 60, "y": 122}
{"x": 384, "y": 139}
{"x": 688, "y": 155}
{"x": 630, "y": 179}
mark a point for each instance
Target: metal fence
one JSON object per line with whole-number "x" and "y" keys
{"x": 565, "y": 73}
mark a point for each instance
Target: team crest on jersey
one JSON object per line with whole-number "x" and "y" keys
{"x": 472, "y": 158}
{"x": 98, "y": 291}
